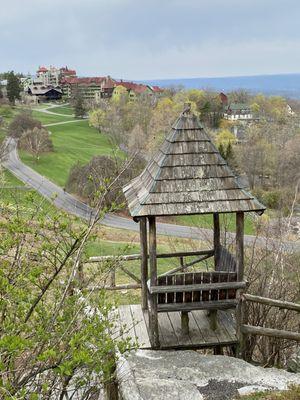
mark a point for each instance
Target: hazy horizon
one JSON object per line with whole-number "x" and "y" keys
{"x": 152, "y": 40}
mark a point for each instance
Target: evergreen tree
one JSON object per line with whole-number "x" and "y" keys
{"x": 13, "y": 87}
{"x": 79, "y": 109}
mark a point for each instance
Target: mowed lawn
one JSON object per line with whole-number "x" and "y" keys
{"x": 73, "y": 142}
{"x": 227, "y": 222}
{"x": 63, "y": 110}
{"x": 50, "y": 118}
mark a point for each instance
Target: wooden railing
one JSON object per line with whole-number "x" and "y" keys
{"x": 119, "y": 261}
{"x": 244, "y": 329}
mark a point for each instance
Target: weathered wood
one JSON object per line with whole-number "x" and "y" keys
{"x": 144, "y": 262}
{"x": 171, "y": 336}
{"x": 112, "y": 276}
{"x": 240, "y": 245}
{"x": 272, "y": 302}
{"x": 217, "y": 241}
{"x": 117, "y": 287}
{"x": 240, "y": 317}
{"x": 134, "y": 257}
{"x": 187, "y": 265}
{"x": 197, "y": 286}
{"x": 153, "y": 317}
{"x": 261, "y": 331}
{"x": 129, "y": 273}
{"x": 185, "y": 323}
{"x": 202, "y": 305}
{"x": 213, "y": 319}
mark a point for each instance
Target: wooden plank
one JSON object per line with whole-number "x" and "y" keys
{"x": 140, "y": 327}
{"x": 195, "y": 333}
{"x": 126, "y": 322}
{"x": 169, "y": 338}
{"x": 196, "y": 286}
{"x": 224, "y": 321}
{"x": 204, "y": 305}
{"x": 202, "y": 322}
{"x": 175, "y": 319}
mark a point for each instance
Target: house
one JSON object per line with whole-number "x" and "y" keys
{"x": 90, "y": 88}
{"x": 53, "y": 75}
{"x": 237, "y": 111}
{"x": 38, "y": 92}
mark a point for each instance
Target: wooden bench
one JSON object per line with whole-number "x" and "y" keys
{"x": 185, "y": 292}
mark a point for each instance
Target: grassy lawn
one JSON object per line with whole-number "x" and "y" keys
{"x": 14, "y": 194}
{"x": 72, "y": 143}
{"x": 49, "y": 118}
{"x": 63, "y": 110}
{"x": 206, "y": 221}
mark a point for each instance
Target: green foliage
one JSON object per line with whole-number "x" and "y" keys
{"x": 13, "y": 87}
{"x": 292, "y": 394}
{"x": 53, "y": 335}
{"x": 79, "y": 108}
{"x": 22, "y": 123}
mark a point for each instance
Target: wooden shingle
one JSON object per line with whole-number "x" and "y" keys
{"x": 187, "y": 175}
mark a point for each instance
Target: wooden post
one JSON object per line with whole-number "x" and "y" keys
{"x": 144, "y": 262}
{"x": 241, "y": 319}
{"x": 153, "y": 318}
{"x": 217, "y": 241}
{"x": 240, "y": 245}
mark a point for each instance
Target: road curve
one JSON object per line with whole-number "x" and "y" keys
{"x": 72, "y": 205}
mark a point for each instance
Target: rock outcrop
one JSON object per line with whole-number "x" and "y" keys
{"x": 188, "y": 375}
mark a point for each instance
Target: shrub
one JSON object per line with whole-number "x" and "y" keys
{"x": 21, "y": 123}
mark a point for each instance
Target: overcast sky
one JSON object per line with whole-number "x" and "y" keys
{"x": 145, "y": 39}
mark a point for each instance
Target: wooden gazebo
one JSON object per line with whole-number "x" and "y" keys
{"x": 188, "y": 176}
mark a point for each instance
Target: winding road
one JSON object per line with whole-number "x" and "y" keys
{"x": 72, "y": 205}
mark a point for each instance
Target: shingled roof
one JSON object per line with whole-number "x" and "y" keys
{"x": 187, "y": 176}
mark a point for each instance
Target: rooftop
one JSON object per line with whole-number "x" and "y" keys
{"x": 187, "y": 176}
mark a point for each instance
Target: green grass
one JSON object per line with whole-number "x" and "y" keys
{"x": 63, "y": 110}
{"x": 72, "y": 143}
{"x": 226, "y": 220}
{"x": 49, "y": 118}
{"x": 291, "y": 394}
{"x": 15, "y": 195}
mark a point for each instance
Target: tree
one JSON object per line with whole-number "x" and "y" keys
{"x": 13, "y": 87}
{"x": 56, "y": 335}
{"x": 36, "y": 141}
{"x": 97, "y": 118}
{"x": 22, "y": 123}
{"x": 79, "y": 108}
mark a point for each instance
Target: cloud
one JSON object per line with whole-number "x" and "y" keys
{"x": 151, "y": 38}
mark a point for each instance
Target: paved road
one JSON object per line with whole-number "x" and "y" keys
{"x": 72, "y": 205}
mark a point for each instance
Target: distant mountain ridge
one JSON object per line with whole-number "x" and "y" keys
{"x": 281, "y": 84}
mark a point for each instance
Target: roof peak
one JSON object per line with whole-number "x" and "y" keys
{"x": 187, "y": 175}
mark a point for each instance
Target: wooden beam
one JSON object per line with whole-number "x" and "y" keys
{"x": 187, "y": 265}
{"x": 201, "y": 305}
{"x": 272, "y": 302}
{"x": 261, "y": 331}
{"x": 144, "y": 262}
{"x": 132, "y": 257}
{"x": 217, "y": 241}
{"x": 197, "y": 286}
{"x": 240, "y": 245}
{"x": 153, "y": 317}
